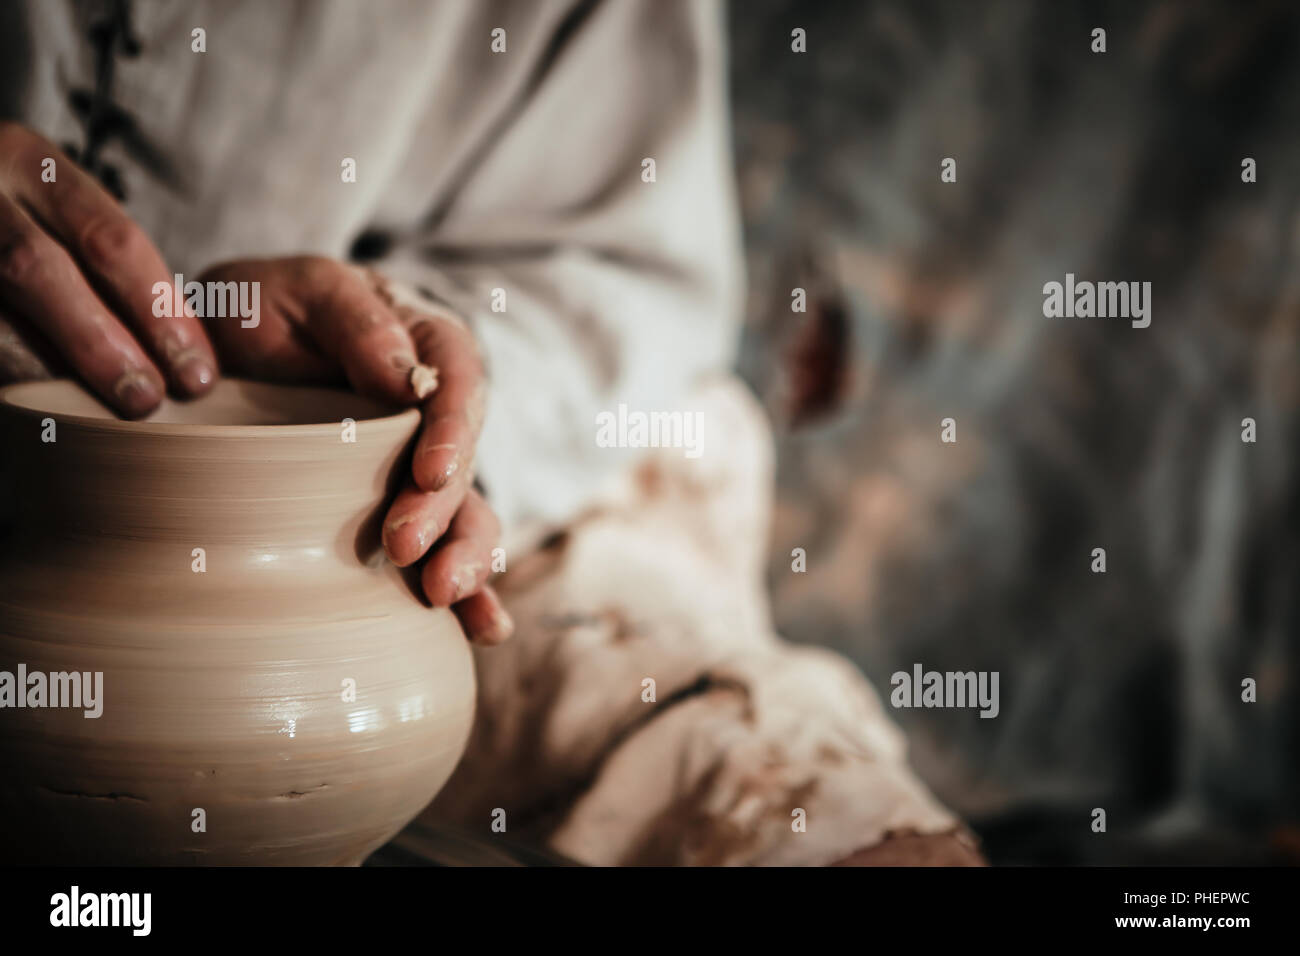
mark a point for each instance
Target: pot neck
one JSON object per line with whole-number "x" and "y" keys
{"x": 252, "y": 487}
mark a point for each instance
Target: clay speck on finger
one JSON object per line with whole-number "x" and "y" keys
{"x": 424, "y": 380}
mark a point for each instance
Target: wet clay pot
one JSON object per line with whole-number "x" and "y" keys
{"x": 273, "y": 691}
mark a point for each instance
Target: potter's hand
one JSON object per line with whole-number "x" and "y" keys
{"x": 322, "y": 320}
{"x": 77, "y": 281}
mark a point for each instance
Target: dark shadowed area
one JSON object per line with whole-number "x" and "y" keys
{"x": 1119, "y": 690}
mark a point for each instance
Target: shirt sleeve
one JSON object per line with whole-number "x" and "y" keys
{"x": 592, "y": 242}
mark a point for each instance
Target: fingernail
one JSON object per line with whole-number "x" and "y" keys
{"x": 463, "y": 578}
{"x": 194, "y": 374}
{"x": 396, "y": 524}
{"x": 502, "y": 626}
{"x": 445, "y": 475}
{"x": 444, "y": 466}
{"x": 137, "y": 392}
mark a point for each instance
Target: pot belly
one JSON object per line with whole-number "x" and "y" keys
{"x": 280, "y": 726}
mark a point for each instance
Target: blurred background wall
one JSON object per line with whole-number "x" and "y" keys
{"x": 1119, "y": 690}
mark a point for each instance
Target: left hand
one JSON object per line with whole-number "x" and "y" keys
{"x": 322, "y": 321}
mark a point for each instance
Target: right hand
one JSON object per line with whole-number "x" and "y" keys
{"x": 324, "y": 321}
{"x": 76, "y": 284}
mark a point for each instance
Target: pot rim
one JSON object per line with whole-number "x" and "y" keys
{"x": 385, "y": 415}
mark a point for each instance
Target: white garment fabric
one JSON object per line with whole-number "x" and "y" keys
{"x": 745, "y": 750}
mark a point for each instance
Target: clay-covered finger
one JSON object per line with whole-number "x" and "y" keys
{"x": 42, "y": 284}
{"x": 418, "y": 519}
{"x": 352, "y": 324}
{"x": 485, "y": 618}
{"x": 462, "y": 562}
{"x": 122, "y": 264}
{"x": 453, "y": 417}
